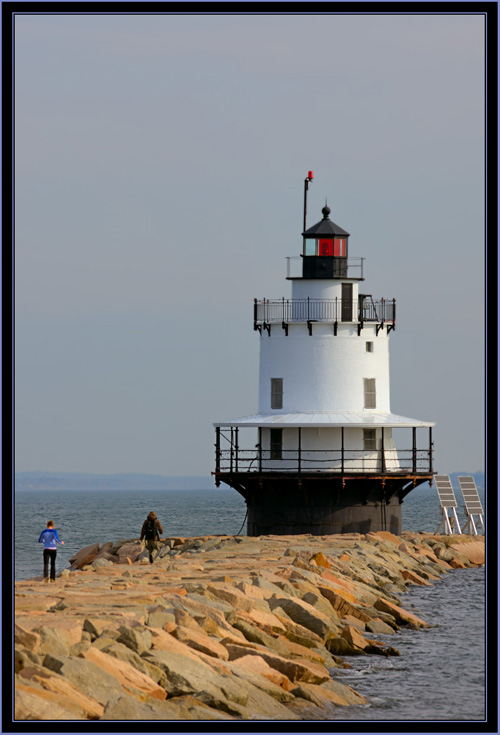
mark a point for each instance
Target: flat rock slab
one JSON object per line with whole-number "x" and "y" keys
{"x": 38, "y": 682}
{"x": 402, "y": 617}
{"x": 86, "y": 676}
{"x": 472, "y": 550}
{"x": 127, "y": 675}
{"x": 258, "y": 665}
{"x": 304, "y": 614}
{"x": 414, "y": 578}
{"x": 38, "y": 704}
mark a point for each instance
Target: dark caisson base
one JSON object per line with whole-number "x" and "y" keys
{"x": 321, "y": 505}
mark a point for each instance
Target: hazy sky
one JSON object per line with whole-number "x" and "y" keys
{"x": 159, "y": 172}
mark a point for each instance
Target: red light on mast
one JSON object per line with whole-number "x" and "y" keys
{"x": 310, "y": 175}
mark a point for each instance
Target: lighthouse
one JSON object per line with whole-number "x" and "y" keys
{"x": 324, "y": 454}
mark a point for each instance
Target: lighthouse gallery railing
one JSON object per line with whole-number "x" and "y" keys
{"x": 277, "y": 311}
{"x": 342, "y": 267}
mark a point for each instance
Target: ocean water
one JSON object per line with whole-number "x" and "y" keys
{"x": 84, "y": 518}
{"x": 440, "y": 675}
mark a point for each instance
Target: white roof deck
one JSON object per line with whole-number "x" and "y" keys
{"x": 362, "y": 419}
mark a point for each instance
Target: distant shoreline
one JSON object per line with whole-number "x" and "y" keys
{"x": 119, "y": 489}
{"x": 69, "y": 481}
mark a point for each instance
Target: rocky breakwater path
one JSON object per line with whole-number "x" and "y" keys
{"x": 219, "y": 627}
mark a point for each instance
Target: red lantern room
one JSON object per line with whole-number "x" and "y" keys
{"x": 325, "y": 249}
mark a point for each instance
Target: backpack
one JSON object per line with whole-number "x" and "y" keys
{"x": 150, "y": 532}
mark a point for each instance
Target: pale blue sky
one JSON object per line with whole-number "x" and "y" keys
{"x": 159, "y": 176}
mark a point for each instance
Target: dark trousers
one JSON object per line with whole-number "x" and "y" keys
{"x": 49, "y": 554}
{"x": 151, "y": 545}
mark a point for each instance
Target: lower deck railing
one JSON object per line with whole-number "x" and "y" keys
{"x": 268, "y": 460}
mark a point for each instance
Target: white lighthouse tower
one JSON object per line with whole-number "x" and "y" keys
{"x": 322, "y": 458}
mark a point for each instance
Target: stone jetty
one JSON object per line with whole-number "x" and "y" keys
{"x": 219, "y": 627}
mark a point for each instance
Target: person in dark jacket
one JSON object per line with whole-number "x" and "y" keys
{"x": 49, "y": 538}
{"x": 151, "y": 529}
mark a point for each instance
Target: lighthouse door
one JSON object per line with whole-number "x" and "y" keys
{"x": 347, "y": 302}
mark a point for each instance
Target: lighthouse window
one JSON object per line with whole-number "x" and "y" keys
{"x": 276, "y": 443}
{"x": 369, "y": 390}
{"x": 339, "y": 246}
{"x": 311, "y": 247}
{"x": 276, "y": 392}
{"x": 369, "y": 346}
{"x": 325, "y": 246}
{"x": 369, "y": 439}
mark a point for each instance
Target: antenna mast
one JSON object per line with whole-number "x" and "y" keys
{"x": 308, "y": 178}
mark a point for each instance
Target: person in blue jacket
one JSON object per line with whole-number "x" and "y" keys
{"x": 49, "y": 538}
